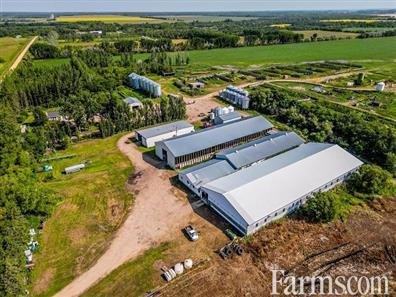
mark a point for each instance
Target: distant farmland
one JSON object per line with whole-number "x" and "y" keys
{"x": 354, "y": 49}
{"x": 9, "y": 49}
{"x": 107, "y": 19}
{"x": 326, "y": 34}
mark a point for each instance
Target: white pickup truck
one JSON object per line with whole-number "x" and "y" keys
{"x": 191, "y": 233}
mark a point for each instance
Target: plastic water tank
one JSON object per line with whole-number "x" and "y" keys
{"x": 380, "y": 87}
{"x": 188, "y": 263}
{"x": 225, "y": 110}
{"x": 179, "y": 269}
{"x": 231, "y": 108}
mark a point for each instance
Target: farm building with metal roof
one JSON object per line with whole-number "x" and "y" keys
{"x": 148, "y": 137}
{"x": 254, "y": 196}
{"x": 230, "y": 160}
{"x": 197, "y": 176}
{"x": 133, "y": 102}
{"x": 258, "y": 150}
{"x": 202, "y": 145}
{"x": 227, "y": 118}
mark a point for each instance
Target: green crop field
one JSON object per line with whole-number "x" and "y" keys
{"x": 94, "y": 204}
{"x": 9, "y": 49}
{"x": 352, "y": 50}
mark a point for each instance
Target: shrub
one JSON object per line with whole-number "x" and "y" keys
{"x": 319, "y": 209}
{"x": 371, "y": 179}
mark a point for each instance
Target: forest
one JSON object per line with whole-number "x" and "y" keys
{"x": 324, "y": 122}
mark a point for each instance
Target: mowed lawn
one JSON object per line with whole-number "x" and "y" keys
{"x": 95, "y": 201}
{"x": 9, "y": 49}
{"x": 351, "y": 50}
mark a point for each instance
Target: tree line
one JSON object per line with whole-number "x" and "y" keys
{"x": 323, "y": 122}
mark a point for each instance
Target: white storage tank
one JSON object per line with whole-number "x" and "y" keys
{"x": 225, "y": 110}
{"x": 231, "y": 108}
{"x": 179, "y": 269}
{"x": 74, "y": 168}
{"x": 212, "y": 115}
{"x": 188, "y": 263}
{"x": 380, "y": 87}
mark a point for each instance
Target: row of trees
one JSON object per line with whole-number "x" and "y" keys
{"x": 120, "y": 118}
{"x": 325, "y": 122}
{"x": 22, "y": 200}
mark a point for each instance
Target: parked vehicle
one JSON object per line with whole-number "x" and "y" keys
{"x": 191, "y": 233}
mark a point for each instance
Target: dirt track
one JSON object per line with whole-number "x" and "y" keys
{"x": 149, "y": 223}
{"x": 22, "y": 54}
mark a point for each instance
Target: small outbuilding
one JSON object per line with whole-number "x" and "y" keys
{"x": 319, "y": 89}
{"x": 196, "y": 85}
{"x": 54, "y": 116}
{"x": 148, "y": 137}
{"x": 227, "y": 118}
{"x": 133, "y": 103}
{"x": 380, "y": 87}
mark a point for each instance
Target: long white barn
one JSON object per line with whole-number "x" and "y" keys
{"x": 199, "y": 146}
{"x": 256, "y": 195}
{"x": 148, "y": 137}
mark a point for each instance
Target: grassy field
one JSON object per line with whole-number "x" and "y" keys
{"x": 107, "y": 19}
{"x": 362, "y": 100}
{"x": 368, "y": 29}
{"x": 134, "y": 278}
{"x": 95, "y": 202}
{"x": 9, "y": 49}
{"x": 352, "y": 50}
{"x": 321, "y": 34}
{"x": 381, "y": 49}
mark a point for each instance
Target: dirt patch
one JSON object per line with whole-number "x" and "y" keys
{"x": 42, "y": 285}
{"x": 298, "y": 88}
{"x": 78, "y": 235}
{"x": 365, "y": 244}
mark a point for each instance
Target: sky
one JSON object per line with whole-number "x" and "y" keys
{"x": 187, "y": 5}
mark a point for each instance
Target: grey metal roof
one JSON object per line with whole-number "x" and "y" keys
{"x": 162, "y": 129}
{"x": 266, "y": 187}
{"x": 209, "y": 137}
{"x": 205, "y": 172}
{"x": 132, "y": 101}
{"x": 53, "y": 114}
{"x": 230, "y": 116}
{"x": 260, "y": 149}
